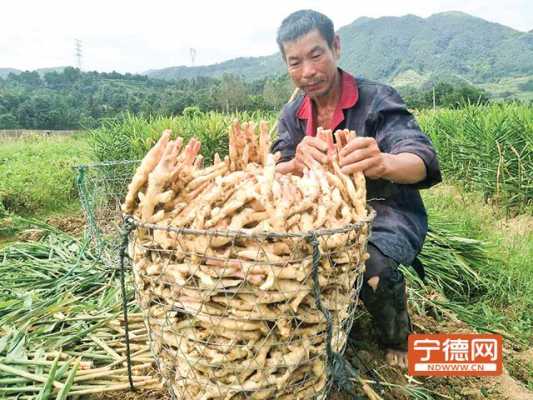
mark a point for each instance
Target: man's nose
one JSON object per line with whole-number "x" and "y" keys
{"x": 308, "y": 70}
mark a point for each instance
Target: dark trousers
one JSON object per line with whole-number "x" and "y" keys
{"x": 388, "y": 303}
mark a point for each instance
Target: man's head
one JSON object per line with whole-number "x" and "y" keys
{"x": 310, "y": 48}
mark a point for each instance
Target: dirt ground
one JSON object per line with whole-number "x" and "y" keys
{"x": 74, "y": 225}
{"x": 510, "y": 385}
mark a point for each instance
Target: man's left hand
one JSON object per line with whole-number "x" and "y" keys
{"x": 363, "y": 154}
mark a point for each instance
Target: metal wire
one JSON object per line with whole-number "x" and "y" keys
{"x": 102, "y": 188}
{"x": 339, "y": 372}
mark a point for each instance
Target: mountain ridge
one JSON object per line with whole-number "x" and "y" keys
{"x": 4, "y": 72}
{"x": 403, "y": 51}
{"x": 450, "y": 44}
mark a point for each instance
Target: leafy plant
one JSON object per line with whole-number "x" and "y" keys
{"x": 486, "y": 148}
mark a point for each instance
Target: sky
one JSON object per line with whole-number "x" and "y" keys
{"x": 136, "y": 36}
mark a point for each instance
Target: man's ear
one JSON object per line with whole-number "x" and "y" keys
{"x": 337, "y": 47}
{"x": 282, "y": 51}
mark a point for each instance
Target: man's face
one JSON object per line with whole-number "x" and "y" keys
{"x": 312, "y": 64}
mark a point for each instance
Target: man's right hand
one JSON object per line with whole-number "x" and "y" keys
{"x": 308, "y": 150}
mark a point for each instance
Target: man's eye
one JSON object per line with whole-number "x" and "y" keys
{"x": 294, "y": 64}
{"x": 316, "y": 56}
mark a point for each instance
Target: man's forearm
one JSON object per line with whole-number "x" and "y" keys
{"x": 404, "y": 168}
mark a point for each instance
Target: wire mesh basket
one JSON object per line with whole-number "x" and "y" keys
{"x": 241, "y": 315}
{"x": 102, "y": 188}
{"x": 248, "y": 281}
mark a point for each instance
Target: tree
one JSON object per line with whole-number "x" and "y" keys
{"x": 8, "y": 121}
{"x": 231, "y": 93}
{"x": 446, "y": 95}
{"x": 27, "y": 78}
{"x": 277, "y": 91}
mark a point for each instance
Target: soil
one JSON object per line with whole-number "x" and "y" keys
{"x": 73, "y": 225}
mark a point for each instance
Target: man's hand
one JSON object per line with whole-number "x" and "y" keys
{"x": 363, "y": 154}
{"x": 308, "y": 150}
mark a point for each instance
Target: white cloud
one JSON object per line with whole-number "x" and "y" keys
{"x": 137, "y": 35}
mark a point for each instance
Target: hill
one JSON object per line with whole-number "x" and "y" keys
{"x": 405, "y": 50}
{"x": 4, "y": 72}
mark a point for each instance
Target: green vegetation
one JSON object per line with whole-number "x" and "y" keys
{"x": 445, "y": 94}
{"x": 437, "y": 46}
{"x": 37, "y": 175}
{"x": 130, "y": 137}
{"x": 72, "y": 99}
{"x": 57, "y": 297}
{"x": 486, "y": 148}
{"x": 55, "y": 293}
{"x": 518, "y": 88}
{"x": 502, "y": 295}
{"x": 482, "y": 148}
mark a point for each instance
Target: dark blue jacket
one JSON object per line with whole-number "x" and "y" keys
{"x": 400, "y": 226}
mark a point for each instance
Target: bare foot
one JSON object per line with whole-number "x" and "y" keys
{"x": 396, "y": 358}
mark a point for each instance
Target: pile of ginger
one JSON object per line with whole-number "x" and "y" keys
{"x": 243, "y": 191}
{"x": 233, "y": 316}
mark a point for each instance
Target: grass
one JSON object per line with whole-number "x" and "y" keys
{"x": 487, "y": 149}
{"x": 510, "y": 86}
{"x": 36, "y": 175}
{"x": 130, "y": 137}
{"x": 507, "y": 298}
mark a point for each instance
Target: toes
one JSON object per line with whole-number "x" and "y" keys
{"x": 396, "y": 358}
{"x": 391, "y": 358}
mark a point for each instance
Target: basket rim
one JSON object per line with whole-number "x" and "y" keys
{"x": 247, "y": 233}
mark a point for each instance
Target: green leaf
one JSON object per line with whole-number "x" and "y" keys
{"x": 4, "y": 342}
{"x": 63, "y": 393}
{"x": 18, "y": 352}
{"x": 47, "y": 388}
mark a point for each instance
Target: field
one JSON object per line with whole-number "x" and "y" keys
{"x": 502, "y": 88}
{"x": 55, "y": 296}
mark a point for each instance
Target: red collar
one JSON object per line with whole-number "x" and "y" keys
{"x": 348, "y": 99}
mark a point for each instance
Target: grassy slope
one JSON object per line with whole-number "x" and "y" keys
{"x": 504, "y": 87}
{"x": 36, "y": 174}
{"x": 509, "y": 299}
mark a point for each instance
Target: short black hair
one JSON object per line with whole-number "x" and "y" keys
{"x": 302, "y": 22}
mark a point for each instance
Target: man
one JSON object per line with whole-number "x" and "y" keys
{"x": 395, "y": 156}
